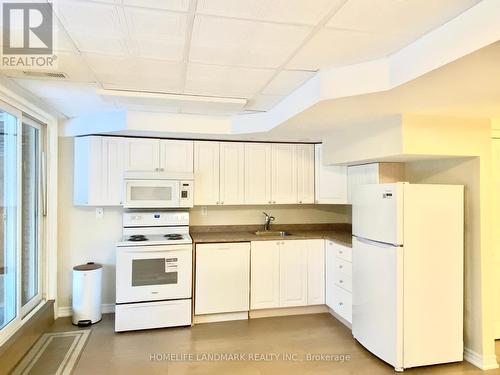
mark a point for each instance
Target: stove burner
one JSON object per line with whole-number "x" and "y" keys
{"x": 173, "y": 236}
{"x": 137, "y": 237}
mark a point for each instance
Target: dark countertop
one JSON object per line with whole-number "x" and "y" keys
{"x": 339, "y": 233}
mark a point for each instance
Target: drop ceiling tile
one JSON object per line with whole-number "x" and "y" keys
{"x": 137, "y": 73}
{"x": 176, "y": 5}
{"x": 155, "y": 24}
{"x": 90, "y": 18}
{"x": 243, "y": 43}
{"x": 287, "y": 81}
{"x": 410, "y": 17}
{"x": 263, "y": 102}
{"x": 101, "y": 45}
{"x": 225, "y": 81}
{"x": 158, "y": 49}
{"x": 332, "y": 47}
{"x": 286, "y": 11}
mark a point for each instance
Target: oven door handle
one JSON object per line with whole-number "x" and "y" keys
{"x": 150, "y": 249}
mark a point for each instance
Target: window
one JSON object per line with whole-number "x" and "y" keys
{"x": 8, "y": 215}
{"x": 20, "y": 216}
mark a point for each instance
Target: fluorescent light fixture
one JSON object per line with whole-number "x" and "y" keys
{"x": 171, "y": 97}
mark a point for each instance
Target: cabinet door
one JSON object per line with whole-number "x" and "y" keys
{"x": 265, "y": 275}
{"x": 305, "y": 173}
{"x": 316, "y": 272}
{"x": 232, "y": 173}
{"x": 206, "y": 173}
{"x": 330, "y": 274}
{"x": 142, "y": 155}
{"x": 176, "y": 156}
{"x": 331, "y": 181}
{"x": 361, "y": 175}
{"x": 222, "y": 278}
{"x": 284, "y": 173}
{"x": 114, "y": 168}
{"x": 257, "y": 173}
{"x": 293, "y": 273}
{"x": 88, "y": 171}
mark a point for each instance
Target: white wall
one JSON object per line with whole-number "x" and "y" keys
{"x": 84, "y": 238}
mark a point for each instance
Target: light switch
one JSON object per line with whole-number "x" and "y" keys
{"x": 204, "y": 211}
{"x": 99, "y": 212}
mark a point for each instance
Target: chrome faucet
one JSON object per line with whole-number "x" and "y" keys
{"x": 268, "y": 220}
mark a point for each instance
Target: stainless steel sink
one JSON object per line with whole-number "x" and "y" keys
{"x": 276, "y": 233}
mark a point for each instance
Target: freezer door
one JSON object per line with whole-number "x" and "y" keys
{"x": 377, "y": 212}
{"x": 377, "y": 299}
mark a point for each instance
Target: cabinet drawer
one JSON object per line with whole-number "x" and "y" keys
{"x": 343, "y": 252}
{"x": 343, "y": 266}
{"x": 344, "y": 281}
{"x": 342, "y": 303}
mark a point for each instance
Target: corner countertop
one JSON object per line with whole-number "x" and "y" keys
{"x": 339, "y": 233}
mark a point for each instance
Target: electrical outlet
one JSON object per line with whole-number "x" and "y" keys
{"x": 99, "y": 212}
{"x": 204, "y": 211}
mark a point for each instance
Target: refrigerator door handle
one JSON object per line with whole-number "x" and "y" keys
{"x": 376, "y": 243}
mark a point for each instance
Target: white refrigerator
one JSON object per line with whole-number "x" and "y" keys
{"x": 408, "y": 272}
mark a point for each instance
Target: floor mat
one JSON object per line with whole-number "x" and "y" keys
{"x": 53, "y": 354}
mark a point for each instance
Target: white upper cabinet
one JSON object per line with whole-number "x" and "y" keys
{"x": 98, "y": 171}
{"x": 114, "y": 168}
{"x": 373, "y": 173}
{"x": 331, "y": 181}
{"x": 284, "y": 173}
{"x": 142, "y": 155}
{"x": 176, "y": 156}
{"x": 305, "y": 173}
{"x": 232, "y": 173}
{"x": 206, "y": 173}
{"x": 257, "y": 173}
{"x": 293, "y": 273}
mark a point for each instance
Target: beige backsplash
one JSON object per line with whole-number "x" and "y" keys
{"x": 284, "y": 214}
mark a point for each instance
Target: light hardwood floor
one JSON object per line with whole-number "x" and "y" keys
{"x": 129, "y": 353}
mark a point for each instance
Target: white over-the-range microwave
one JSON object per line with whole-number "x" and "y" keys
{"x": 158, "y": 190}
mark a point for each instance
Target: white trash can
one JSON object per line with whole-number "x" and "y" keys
{"x": 87, "y": 294}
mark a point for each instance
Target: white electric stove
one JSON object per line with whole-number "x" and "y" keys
{"x": 153, "y": 271}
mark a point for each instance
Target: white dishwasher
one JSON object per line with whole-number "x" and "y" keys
{"x": 222, "y": 278}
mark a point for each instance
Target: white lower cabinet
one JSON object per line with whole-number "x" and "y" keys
{"x": 293, "y": 273}
{"x": 339, "y": 279}
{"x": 222, "y": 278}
{"x": 287, "y": 273}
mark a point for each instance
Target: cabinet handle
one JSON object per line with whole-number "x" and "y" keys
{"x": 222, "y": 202}
{"x": 341, "y": 252}
{"x": 282, "y": 242}
{"x": 269, "y": 202}
{"x": 341, "y": 281}
{"x": 340, "y": 266}
{"x": 274, "y": 201}
{"x": 162, "y": 169}
{"x": 277, "y": 243}
{"x": 300, "y": 202}
{"x": 341, "y": 303}
{"x": 217, "y": 202}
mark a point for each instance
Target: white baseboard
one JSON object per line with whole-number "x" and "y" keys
{"x": 64, "y": 311}
{"x": 480, "y": 361}
{"x": 211, "y": 318}
{"x": 285, "y": 311}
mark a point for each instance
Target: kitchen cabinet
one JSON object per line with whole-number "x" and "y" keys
{"x": 98, "y": 171}
{"x": 176, "y": 156}
{"x": 373, "y": 173}
{"x": 222, "y": 278}
{"x": 305, "y": 174}
{"x": 293, "y": 273}
{"x": 287, "y": 273}
{"x": 206, "y": 173}
{"x": 316, "y": 272}
{"x": 330, "y": 181}
{"x": 339, "y": 279}
{"x": 232, "y": 173}
{"x": 257, "y": 173}
{"x": 265, "y": 274}
{"x": 142, "y": 155}
{"x": 283, "y": 173}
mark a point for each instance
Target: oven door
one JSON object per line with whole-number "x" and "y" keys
{"x": 152, "y": 194}
{"x": 152, "y": 273}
